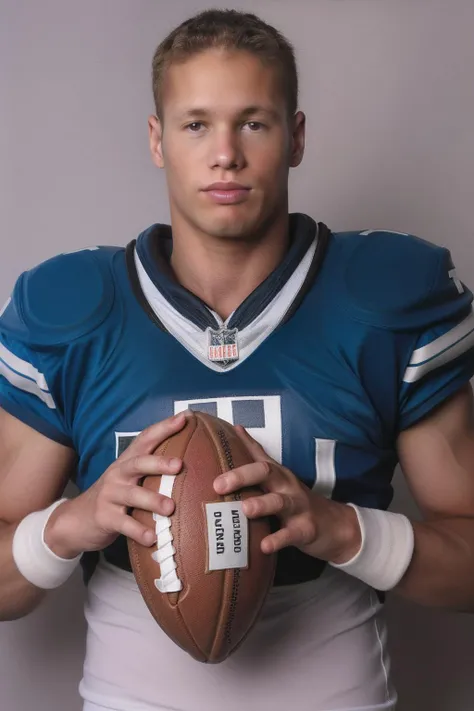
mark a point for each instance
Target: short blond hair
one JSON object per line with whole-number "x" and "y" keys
{"x": 230, "y": 30}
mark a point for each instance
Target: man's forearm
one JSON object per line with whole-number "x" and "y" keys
{"x": 441, "y": 573}
{"x": 18, "y": 597}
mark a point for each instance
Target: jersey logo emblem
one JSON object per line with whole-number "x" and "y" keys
{"x": 223, "y": 346}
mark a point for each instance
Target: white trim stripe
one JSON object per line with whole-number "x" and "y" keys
{"x": 22, "y": 367}
{"x": 25, "y": 384}
{"x": 390, "y": 232}
{"x": 196, "y": 341}
{"x": 5, "y": 306}
{"x": 414, "y": 373}
{"x": 325, "y": 467}
{"x": 444, "y": 342}
{"x": 123, "y": 434}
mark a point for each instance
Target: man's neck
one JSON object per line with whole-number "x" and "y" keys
{"x": 224, "y": 272}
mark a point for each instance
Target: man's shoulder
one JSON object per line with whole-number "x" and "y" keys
{"x": 62, "y": 298}
{"x": 396, "y": 280}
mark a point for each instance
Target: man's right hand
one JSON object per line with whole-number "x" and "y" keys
{"x": 95, "y": 518}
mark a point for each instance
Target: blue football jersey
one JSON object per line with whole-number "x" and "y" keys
{"x": 353, "y": 338}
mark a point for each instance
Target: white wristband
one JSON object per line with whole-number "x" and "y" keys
{"x": 386, "y": 551}
{"x": 35, "y": 561}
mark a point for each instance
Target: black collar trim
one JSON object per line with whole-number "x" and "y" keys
{"x": 157, "y": 267}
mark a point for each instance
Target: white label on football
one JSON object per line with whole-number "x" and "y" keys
{"x": 227, "y": 535}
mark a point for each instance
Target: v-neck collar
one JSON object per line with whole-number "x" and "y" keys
{"x": 184, "y": 315}
{"x": 154, "y": 247}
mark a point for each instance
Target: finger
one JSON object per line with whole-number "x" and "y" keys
{"x": 136, "y": 497}
{"x": 301, "y": 530}
{"x": 269, "y": 505}
{"x": 150, "y": 464}
{"x": 254, "y": 448}
{"x": 278, "y": 540}
{"x": 151, "y": 437}
{"x": 139, "y": 533}
{"x": 246, "y": 475}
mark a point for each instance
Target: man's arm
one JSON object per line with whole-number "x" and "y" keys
{"x": 33, "y": 473}
{"x": 437, "y": 456}
{"x": 437, "y": 459}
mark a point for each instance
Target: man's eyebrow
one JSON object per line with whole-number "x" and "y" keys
{"x": 250, "y": 110}
{"x": 199, "y": 112}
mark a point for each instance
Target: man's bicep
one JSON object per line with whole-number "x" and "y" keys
{"x": 437, "y": 458}
{"x": 34, "y": 469}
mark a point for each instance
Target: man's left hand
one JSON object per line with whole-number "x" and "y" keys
{"x": 317, "y": 526}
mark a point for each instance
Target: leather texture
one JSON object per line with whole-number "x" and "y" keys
{"x": 215, "y": 610}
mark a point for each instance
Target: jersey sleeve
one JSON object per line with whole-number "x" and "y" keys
{"x": 407, "y": 288}
{"x": 27, "y": 376}
{"x": 440, "y": 361}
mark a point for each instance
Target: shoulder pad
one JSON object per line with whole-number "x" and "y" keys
{"x": 61, "y": 299}
{"x": 397, "y": 280}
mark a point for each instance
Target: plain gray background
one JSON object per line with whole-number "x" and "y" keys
{"x": 388, "y": 89}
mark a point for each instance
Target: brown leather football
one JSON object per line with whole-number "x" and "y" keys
{"x": 206, "y": 580}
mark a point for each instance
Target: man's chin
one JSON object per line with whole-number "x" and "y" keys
{"x": 231, "y": 227}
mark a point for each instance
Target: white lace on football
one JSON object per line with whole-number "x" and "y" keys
{"x": 165, "y": 551}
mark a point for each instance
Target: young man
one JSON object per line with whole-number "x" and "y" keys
{"x": 350, "y": 352}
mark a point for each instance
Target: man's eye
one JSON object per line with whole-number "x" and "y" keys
{"x": 192, "y": 126}
{"x": 254, "y": 126}
{"x": 196, "y": 126}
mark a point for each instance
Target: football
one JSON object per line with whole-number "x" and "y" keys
{"x": 206, "y": 579}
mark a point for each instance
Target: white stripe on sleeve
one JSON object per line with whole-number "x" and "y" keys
{"x": 441, "y": 351}
{"x": 5, "y": 306}
{"x": 22, "y": 367}
{"x": 443, "y": 342}
{"x": 24, "y": 376}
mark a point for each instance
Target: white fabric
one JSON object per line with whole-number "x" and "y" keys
{"x": 325, "y": 480}
{"x": 249, "y": 338}
{"x": 5, "y": 306}
{"x": 386, "y": 550}
{"x": 33, "y": 558}
{"x": 442, "y": 350}
{"x": 318, "y": 646}
{"x": 23, "y": 367}
{"x": 24, "y": 376}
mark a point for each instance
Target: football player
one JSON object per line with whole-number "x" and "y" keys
{"x": 335, "y": 355}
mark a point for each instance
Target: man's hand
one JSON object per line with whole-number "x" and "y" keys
{"x": 317, "y": 526}
{"x": 95, "y": 519}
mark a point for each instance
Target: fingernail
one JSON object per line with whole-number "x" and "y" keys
{"x": 221, "y": 481}
{"x": 168, "y": 507}
{"x": 247, "y": 508}
{"x": 175, "y": 462}
{"x": 150, "y": 537}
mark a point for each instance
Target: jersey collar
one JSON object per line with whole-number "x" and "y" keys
{"x": 154, "y": 247}
{"x": 191, "y": 321}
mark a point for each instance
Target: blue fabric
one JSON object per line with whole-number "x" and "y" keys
{"x": 333, "y": 372}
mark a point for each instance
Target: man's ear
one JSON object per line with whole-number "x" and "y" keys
{"x": 298, "y": 139}
{"x": 155, "y": 133}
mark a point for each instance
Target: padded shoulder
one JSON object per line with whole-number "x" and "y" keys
{"x": 61, "y": 299}
{"x": 397, "y": 280}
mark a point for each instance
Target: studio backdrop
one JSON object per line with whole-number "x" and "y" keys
{"x": 387, "y": 86}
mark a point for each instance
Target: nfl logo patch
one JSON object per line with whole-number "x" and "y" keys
{"x": 223, "y": 346}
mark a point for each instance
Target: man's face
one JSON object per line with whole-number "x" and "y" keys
{"x": 225, "y": 119}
